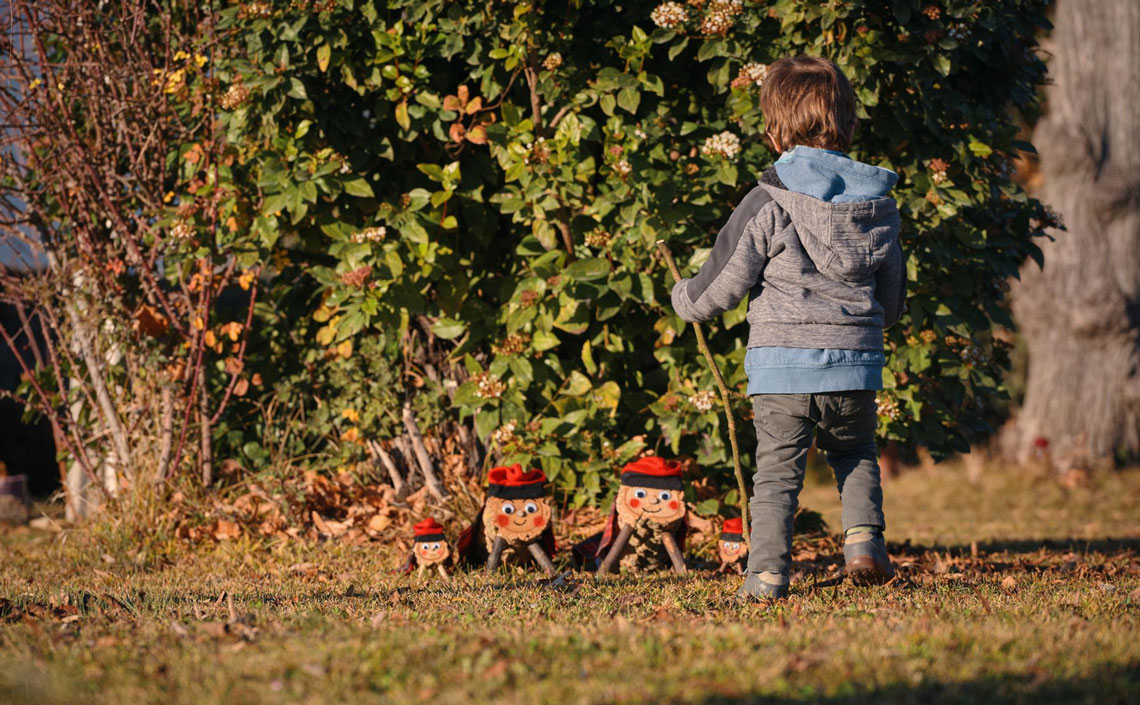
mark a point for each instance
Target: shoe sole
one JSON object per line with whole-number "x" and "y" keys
{"x": 862, "y": 570}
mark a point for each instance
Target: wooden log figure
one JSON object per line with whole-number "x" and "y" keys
{"x": 732, "y": 546}
{"x": 646, "y": 529}
{"x": 515, "y": 522}
{"x": 429, "y": 548}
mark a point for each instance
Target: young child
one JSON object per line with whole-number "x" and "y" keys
{"x": 815, "y": 248}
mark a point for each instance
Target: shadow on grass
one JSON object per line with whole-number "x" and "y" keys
{"x": 1107, "y": 546}
{"x": 1111, "y": 685}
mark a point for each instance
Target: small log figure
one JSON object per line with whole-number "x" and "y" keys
{"x": 648, "y": 519}
{"x": 515, "y": 521}
{"x": 428, "y": 549}
{"x": 732, "y": 546}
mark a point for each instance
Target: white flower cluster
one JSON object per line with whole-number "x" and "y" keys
{"x": 721, "y": 16}
{"x": 888, "y": 407}
{"x": 235, "y": 95}
{"x": 552, "y": 61}
{"x": 703, "y": 401}
{"x": 669, "y": 14}
{"x": 182, "y": 230}
{"x": 598, "y": 238}
{"x": 973, "y": 355}
{"x": 960, "y": 32}
{"x": 726, "y": 145}
{"x": 375, "y": 234}
{"x": 623, "y": 168}
{"x": 504, "y": 434}
{"x": 729, "y": 7}
{"x": 490, "y": 387}
{"x": 751, "y": 74}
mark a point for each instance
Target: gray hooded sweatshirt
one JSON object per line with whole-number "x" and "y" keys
{"x": 820, "y": 262}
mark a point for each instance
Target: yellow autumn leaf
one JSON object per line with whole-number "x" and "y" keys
{"x": 345, "y": 349}
{"x": 351, "y": 415}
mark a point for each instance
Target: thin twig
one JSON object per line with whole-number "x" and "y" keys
{"x": 725, "y": 397}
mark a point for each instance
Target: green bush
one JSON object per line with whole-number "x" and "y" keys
{"x": 487, "y": 181}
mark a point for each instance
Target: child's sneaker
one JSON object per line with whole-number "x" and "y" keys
{"x": 764, "y": 587}
{"x": 866, "y": 554}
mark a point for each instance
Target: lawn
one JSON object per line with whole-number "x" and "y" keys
{"x": 1012, "y": 589}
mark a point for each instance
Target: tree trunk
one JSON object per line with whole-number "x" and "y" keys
{"x": 1080, "y": 314}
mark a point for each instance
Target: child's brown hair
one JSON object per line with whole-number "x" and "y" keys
{"x": 806, "y": 100}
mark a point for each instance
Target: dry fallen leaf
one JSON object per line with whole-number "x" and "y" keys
{"x": 225, "y": 529}
{"x": 1009, "y": 583}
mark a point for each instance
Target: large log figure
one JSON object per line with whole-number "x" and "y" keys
{"x": 649, "y": 518}
{"x": 515, "y": 523}
{"x": 1080, "y": 314}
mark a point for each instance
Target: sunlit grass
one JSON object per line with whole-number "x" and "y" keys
{"x": 239, "y": 622}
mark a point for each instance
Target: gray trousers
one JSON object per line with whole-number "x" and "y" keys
{"x": 844, "y": 424}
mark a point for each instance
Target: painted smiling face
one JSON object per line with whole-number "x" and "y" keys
{"x": 732, "y": 551}
{"x": 517, "y": 519}
{"x": 431, "y": 552}
{"x": 660, "y": 506}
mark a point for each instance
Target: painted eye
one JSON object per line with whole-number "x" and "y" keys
{"x": 734, "y": 546}
{"x": 531, "y": 507}
{"x": 435, "y": 547}
{"x": 665, "y": 495}
{"x": 640, "y": 494}
{"x": 508, "y": 509}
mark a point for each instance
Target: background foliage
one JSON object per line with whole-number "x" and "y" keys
{"x": 454, "y": 203}
{"x": 497, "y": 175}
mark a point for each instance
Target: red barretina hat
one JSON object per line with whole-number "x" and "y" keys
{"x": 512, "y": 482}
{"x": 653, "y": 472}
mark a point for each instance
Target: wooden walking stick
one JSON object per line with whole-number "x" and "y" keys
{"x": 724, "y": 395}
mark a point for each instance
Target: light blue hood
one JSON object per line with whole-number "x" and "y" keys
{"x": 833, "y": 176}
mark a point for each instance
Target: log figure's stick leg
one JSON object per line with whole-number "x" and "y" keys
{"x": 496, "y": 553}
{"x": 420, "y": 572}
{"x": 442, "y": 572}
{"x": 542, "y": 559}
{"x": 616, "y": 550}
{"x": 722, "y": 568}
{"x": 674, "y": 552}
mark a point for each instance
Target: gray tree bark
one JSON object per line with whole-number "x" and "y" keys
{"x": 1080, "y": 315}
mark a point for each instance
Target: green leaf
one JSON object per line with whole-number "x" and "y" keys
{"x": 448, "y": 329}
{"x": 402, "y": 118}
{"x": 942, "y": 63}
{"x": 628, "y": 99}
{"x": 589, "y": 269}
{"x": 297, "y": 89}
{"x": 577, "y": 384}
{"x": 980, "y": 148}
{"x": 359, "y": 187}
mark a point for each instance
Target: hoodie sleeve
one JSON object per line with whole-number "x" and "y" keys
{"x": 736, "y": 262}
{"x": 890, "y": 285}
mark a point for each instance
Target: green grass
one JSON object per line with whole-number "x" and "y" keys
{"x": 1046, "y": 611}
